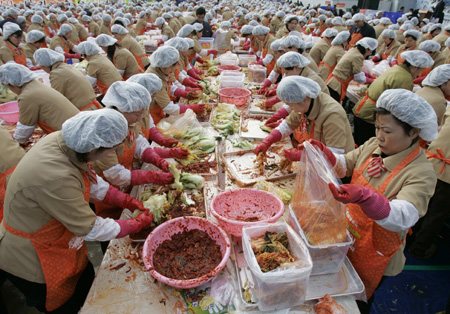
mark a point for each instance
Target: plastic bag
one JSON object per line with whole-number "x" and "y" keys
{"x": 321, "y": 217}
{"x": 183, "y": 126}
{"x": 283, "y": 287}
{"x": 368, "y": 66}
{"x": 380, "y": 68}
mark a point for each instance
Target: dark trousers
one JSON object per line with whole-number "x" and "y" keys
{"x": 429, "y": 225}
{"x": 35, "y": 293}
{"x": 363, "y": 131}
{"x": 364, "y": 307}
{"x": 334, "y": 94}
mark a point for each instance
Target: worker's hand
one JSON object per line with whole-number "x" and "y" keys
{"x": 139, "y": 177}
{"x": 193, "y": 74}
{"x": 369, "y": 80}
{"x": 135, "y": 225}
{"x": 169, "y": 142}
{"x": 271, "y": 92}
{"x": 367, "y": 74}
{"x": 273, "y": 137}
{"x": 157, "y": 137}
{"x": 200, "y": 60}
{"x": 35, "y": 68}
{"x": 326, "y": 151}
{"x": 176, "y": 152}
{"x": 212, "y": 52}
{"x": 151, "y": 157}
{"x": 198, "y": 71}
{"x": 293, "y": 154}
{"x": 197, "y": 108}
{"x": 120, "y": 199}
{"x": 376, "y": 59}
{"x": 394, "y": 62}
{"x": 72, "y": 55}
{"x": 278, "y": 116}
{"x": 374, "y": 205}
{"x": 190, "y": 89}
{"x": 265, "y": 85}
{"x": 180, "y": 93}
{"x": 160, "y": 42}
{"x": 272, "y": 101}
{"x": 190, "y": 83}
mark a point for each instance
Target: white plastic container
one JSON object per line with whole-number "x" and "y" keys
{"x": 327, "y": 259}
{"x": 245, "y": 60}
{"x": 257, "y": 74}
{"x": 206, "y": 42}
{"x": 229, "y": 59}
{"x": 154, "y": 32}
{"x": 232, "y": 74}
{"x": 229, "y": 82}
{"x": 282, "y": 287}
{"x": 150, "y": 45}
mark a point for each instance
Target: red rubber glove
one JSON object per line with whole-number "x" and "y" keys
{"x": 189, "y": 89}
{"x": 72, "y": 55}
{"x": 326, "y": 151}
{"x": 374, "y": 205}
{"x": 151, "y": 157}
{"x": 251, "y": 53}
{"x": 192, "y": 74}
{"x": 177, "y": 152}
{"x": 273, "y": 137}
{"x": 394, "y": 62}
{"x": 35, "y": 68}
{"x": 376, "y": 59}
{"x": 160, "y": 42}
{"x": 121, "y": 199}
{"x": 265, "y": 85}
{"x": 369, "y": 80}
{"x": 246, "y": 45}
{"x": 135, "y": 225}
{"x": 160, "y": 139}
{"x": 293, "y": 154}
{"x": 279, "y": 115}
{"x": 180, "y": 93}
{"x": 368, "y": 75}
{"x": 259, "y": 62}
{"x": 271, "y": 92}
{"x": 212, "y": 52}
{"x": 139, "y": 177}
{"x": 197, "y": 108}
{"x": 198, "y": 71}
{"x": 272, "y": 101}
{"x": 200, "y": 60}
{"x": 187, "y": 82}
{"x": 419, "y": 80}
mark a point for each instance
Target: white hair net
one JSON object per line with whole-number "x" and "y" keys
{"x": 401, "y": 20}
{"x": 9, "y": 29}
{"x": 349, "y": 23}
{"x": 89, "y": 130}
{"x": 253, "y": 23}
{"x": 164, "y": 57}
{"x": 86, "y": 18}
{"x": 434, "y": 27}
{"x": 104, "y": 40}
{"x": 47, "y": 57}
{"x": 438, "y": 76}
{"x": 322, "y": 17}
{"x": 330, "y": 32}
{"x": 358, "y": 17}
{"x": 338, "y": 21}
{"x": 385, "y": 21}
{"x": 160, "y": 21}
{"x": 309, "y": 45}
{"x": 291, "y": 59}
{"x": 186, "y": 30}
{"x": 225, "y": 24}
{"x": 21, "y": 19}
{"x": 280, "y": 14}
{"x": 73, "y": 20}
{"x": 64, "y": 30}
{"x": 294, "y": 89}
{"x": 118, "y": 29}
{"x": 37, "y": 19}
{"x": 406, "y": 27}
{"x": 34, "y": 36}
{"x": 368, "y": 43}
{"x": 15, "y": 74}
{"x": 411, "y": 109}
{"x": 61, "y": 18}
{"x": 276, "y": 45}
{"x": 347, "y": 15}
{"x": 167, "y": 16}
{"x": 413, "y": 33}
{"x": 415, "y": 21}
{"x": 261, "y": 30}
{"x": 340, "y": 38}
{"x": 289, "y": 18}
{"x": 150, "y": 81}
{"x": 394, "y": 27}
{"x": 430, "y": 46}
{"x": 190, "y": 42}
{"x": 417, "y": 58}
{"x": 198, "y": 27}
{"x": 127, "y": 97}
{"x": 178, "y": 43}
{"x": 12, "y": 12}
{"x": 89, "y": 48}
{"x": 389, "y": 33}
{"x": 106, "y": 18}
{"x": 293, "y": 41}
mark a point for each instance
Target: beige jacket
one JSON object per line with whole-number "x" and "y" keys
{"x": 350, "y": 64}
{"x": 124, "y": 60}
{"x": 133, "y": 46}
{"x": 103, "y": 70}
{"x": 443, "y": 143}
{"x": 319, "y": 50}
{"x": 332, "y": 57}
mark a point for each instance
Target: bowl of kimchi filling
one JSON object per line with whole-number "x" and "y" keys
{"x": 186, "y": 252}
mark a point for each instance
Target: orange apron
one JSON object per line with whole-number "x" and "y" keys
{"x": 139, "y": 61}
{"x": 300, "y": 137}
{"x": 62, "y": 266}
{"x": 344, "y": 84}
{"x": 439, "y": 155}
{"x": 19, "y": 56}
{"x": 385, "y": 55}
{"x": 3, "y": 177}
{"x": 374, "y": 245}
{"x": 93, "y": 103}
{"x": 110, "y": 211}
{"x": 272, "y": 63}
{"x": 425, "y": 72}
{"x": 363, "y": 101}
{"x": 354, "y": 39}
{"x": 102, "y": 86}
{"x": 156, "y": 112}
{"x": 327, "y": 65}
{"x": 45, "y": 127}
{"x": 65, "y": 47}
{"x": 146, "y": 132}
{"x": 400, "y": 59}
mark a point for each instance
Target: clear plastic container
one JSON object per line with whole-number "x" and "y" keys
{"x": 154, "y": 32}
{"x": 156, "y": 37}
{"x": 227, "y": 61}
{"x": 232, "y": 74}
{"x": 245, "y": 60}
{"x": 206, "y": 42}
{"x": 327, "y": 259}
{"x": 283, "y": 287}
{"x": 257, "y": 73}
{"x": 230, "y": 82}
{"x": 150, "y": 45}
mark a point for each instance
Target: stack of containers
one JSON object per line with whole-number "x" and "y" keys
{"x": 246, "y": 60}
{"x": 229, "y": 59}
{"x": 231, "y": 79}
{"x": 257, "y": 73}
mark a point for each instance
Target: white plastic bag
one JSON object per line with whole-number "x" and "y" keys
{"x": 182, "y": 126}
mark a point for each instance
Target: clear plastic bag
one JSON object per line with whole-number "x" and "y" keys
{"x": 380, "y": 68}
{"x": 182, "y": 126}
{"x": 283, "y": 287}
{"x": 368, "y": 66}
{"x": 321, "y": 217}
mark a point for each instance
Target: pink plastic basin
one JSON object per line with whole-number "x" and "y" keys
{"x": 235, "y": 209}
{"x": 234, "y": 95}
{"x": 9, "y": 112}
{"x": 233, "y": 68}
{"x": 165, "y": 232}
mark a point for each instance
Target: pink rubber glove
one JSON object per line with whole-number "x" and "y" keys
{"x": 189, "y": 83}
{"x": 376, "y": 59}
{"x": 200, "y": 60}
{"x": 160, "y": 139}
{"x": 160, "y": 42}
{"x": 139, "y": 177}
{"x": 72, "y": 55}
{"x": 199, "y": 72}
{"x": 271, "y": 92}
{"x": 177, "y": 152}
{"x": 326, "y": 151}
{"x": 135, "y": 225}
{"x": 264, "y": 86}
{"x": 272, "y": 101}
{"x": 419, "y": 80}
{"x": 246, "y": 46}
{"x": 151, "y": 157}
{"x": 259, "y": 62}
{"x": 189, "y": 89}
{"x": 273, "y": 137}
{"x": 374, "y": 205}
{"x": 212, "y": 52}
{"x": 192, "y": 74}
{"x": 180, "y": 93}
{"x": 394, "y": 62}
{"x": 121, "y": 199}
{"x": 35, "y": 68}
{"x": 197, "y": 108}
{"x": 368, "y": 75}
{"x": 293, "y": 154}
{"x": 369, "y": 80}
{"x": 280, "y": 114}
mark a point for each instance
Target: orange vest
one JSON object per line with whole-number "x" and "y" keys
{"x": 19, "y": 56}
{"x": 354, "y": 39}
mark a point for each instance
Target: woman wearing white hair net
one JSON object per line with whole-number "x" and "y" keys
{"x": 105, "y": 27}
{"x": 411, "y": 38}
{"x": 275, "y": 75}
{"x": 446, "y": 51}
{"x": 388, "y": 49}
{"x": 55, "y": 181}
{"x": 360, "y": 30}
{"x": 67, "y": 80}
{"x": 121, "y": 57}
{"x": 11, "y": 51}
{"x": 313, "y": 114}
{"x": 164, "y": 63}
{"x": 433, "y": 49}
{"x": 223, "y": 36}
{"x": 166, "y": 30}
{"x": 125, "y": 40}
{"x": 442, "y": 37}
{"x": 144, "y": 19}
{"x": 350, "y": 68}
{"x": 132, "y": 100}
{"x": 101, "y": 72}
{"x": 290, "y": 24}
{"x": 193, "y": 32}
{"x": 333, "y": 55}
{"x": 37, "y": 24}
{"x": 392, "y": 183}
{"x": 295, "y": 43}
{"x": 62, "y": 44}
{"x": 320, "y": 48}
{"x": 399, "y": 76}
{"x": 35, "y": 40}
{"x": 38, "y": 103}
{"x": 93, "y": 27}
{"x": 261, "y": 33}
{"x": 433, "y": 31}
{"x": 250, "y": 41}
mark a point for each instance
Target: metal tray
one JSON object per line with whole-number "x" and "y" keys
{"x": 253, "y": 123}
